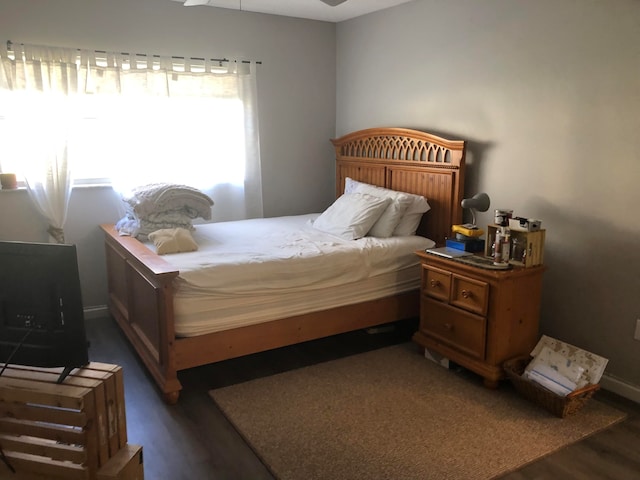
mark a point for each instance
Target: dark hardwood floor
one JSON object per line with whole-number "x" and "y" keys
{"x": 193, "y": 441}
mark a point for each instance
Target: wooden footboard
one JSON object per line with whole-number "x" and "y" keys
{"x": 140, "y": 286}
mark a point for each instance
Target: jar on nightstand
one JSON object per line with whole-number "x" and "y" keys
{"x": 518, "y": 249}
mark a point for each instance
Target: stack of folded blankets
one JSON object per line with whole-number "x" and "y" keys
{"x": 162, "y": 205}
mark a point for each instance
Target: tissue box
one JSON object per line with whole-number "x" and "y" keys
{"x": 521, "y": 224}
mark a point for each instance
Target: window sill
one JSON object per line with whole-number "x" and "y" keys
{"x": 82, "y": 186}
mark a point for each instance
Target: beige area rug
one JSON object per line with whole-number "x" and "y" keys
{"x": 392, "y": 414}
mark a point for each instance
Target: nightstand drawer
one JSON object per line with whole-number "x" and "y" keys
{"x": 470, "y": 294}
{"x": 459, "y": 329}
{"x": 436, "y": 283}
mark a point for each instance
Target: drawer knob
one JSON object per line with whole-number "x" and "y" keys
{"x": 448, "y": 326}
{"x": 435, "y": 283}
{"x": 467, "y": 293}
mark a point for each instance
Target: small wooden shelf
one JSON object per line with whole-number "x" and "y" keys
{"x": 534, "y": 242}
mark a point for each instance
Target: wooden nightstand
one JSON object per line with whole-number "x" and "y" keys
{"x": 476, "y": 317}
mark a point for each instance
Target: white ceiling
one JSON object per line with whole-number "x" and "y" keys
{"x": 311, "y": 9}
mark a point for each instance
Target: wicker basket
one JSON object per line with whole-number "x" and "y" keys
{"x": 556, "y": 404}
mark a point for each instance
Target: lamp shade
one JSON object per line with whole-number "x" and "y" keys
{"x": 479, "y": 202}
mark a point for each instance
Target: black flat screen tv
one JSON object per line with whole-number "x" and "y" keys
{"x": 41, "y": 312}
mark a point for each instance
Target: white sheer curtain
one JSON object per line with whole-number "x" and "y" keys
{"x": 49, "y": 184}
{"x": 134, "y": 119}
{"x": 43, "y": 79}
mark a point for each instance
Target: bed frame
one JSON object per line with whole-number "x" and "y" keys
{"x": 140, "y": 283}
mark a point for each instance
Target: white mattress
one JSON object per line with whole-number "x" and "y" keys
{"x": 251, "y": 271}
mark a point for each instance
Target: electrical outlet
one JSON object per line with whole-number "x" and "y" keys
{"x": 637, "y": 334}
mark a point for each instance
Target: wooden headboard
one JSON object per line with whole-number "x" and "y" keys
{"x": 410, "y": 161}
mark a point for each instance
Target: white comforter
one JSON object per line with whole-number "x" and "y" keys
{"x": 285, "y": 253}
{"x": 250, "y": 271}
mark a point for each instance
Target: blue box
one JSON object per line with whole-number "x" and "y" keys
{"x": 472, "y": 245}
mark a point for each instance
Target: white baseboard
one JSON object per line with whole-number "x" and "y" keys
{"x": 99, "y": 311}
{"x": 615, "y": 385}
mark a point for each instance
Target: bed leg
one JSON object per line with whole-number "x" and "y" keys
{"x": 171, "y": 398}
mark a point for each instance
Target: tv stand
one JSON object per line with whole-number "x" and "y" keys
{"x": 65, "y": 372}
{"x": 68, "y": 369}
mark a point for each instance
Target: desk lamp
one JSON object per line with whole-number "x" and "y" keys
{"x": 478, "y": 203}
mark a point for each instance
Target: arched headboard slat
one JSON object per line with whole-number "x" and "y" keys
{"x": 411, "y": 161}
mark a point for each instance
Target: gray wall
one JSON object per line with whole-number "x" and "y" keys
{"x": 296, "y": 89}
{"x": 547, "y": 93}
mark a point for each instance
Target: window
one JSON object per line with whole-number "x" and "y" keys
{"x": 130, "y": 120}
{"x": 190, "y": 140}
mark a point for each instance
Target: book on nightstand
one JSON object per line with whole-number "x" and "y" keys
{"x": 473, "y": 245}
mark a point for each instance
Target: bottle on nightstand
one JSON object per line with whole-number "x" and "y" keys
{"x": 502, "y": 246}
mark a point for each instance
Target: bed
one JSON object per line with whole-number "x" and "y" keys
{"x": 143, "y": 296}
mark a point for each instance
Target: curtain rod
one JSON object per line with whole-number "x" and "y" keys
{"x": 220, "y": 60}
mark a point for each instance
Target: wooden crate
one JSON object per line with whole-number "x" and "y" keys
{"x": 112, "y": 376}
{"x": 61, "y": 431}
{"x": 127, "y": 464}
{"x": 48, "y": 429}
{"x": 534, "y": 242}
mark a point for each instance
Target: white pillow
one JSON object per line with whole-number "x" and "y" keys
{"x": 394, "y": 212}
{"x": 350, "y": 185}
{"x": 410, "y": 220}
{"x": 352, "y": 215}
